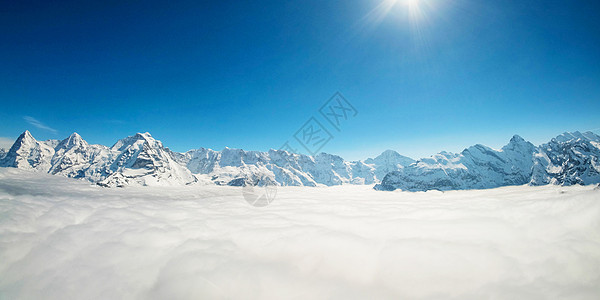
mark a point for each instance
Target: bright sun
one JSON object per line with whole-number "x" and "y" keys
{"x": 411, "y": 3}
{"x": 415, "y": 10}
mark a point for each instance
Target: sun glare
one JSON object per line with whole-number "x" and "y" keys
{"x": 413, "y": 12}
{"x": 414, "y": 6}
{"x": 411, "y": 3}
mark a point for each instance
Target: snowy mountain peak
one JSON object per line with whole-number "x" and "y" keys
{"x": 520, "y": 145}
{"x": 72, "y": 141}
{"x": 142, "y": 160}
{"x": 137, "y": 141}
{"x": 24, "y": 139}
{"x": 390, "y": 153}
{"x": 388, "y": 161}
{"x": 144, "y": 135}
{"x": 75, "y": 136}
{"x": 327, "y": 156}
{"x": 28, "y": 153}
{"x": 27, "y": 133}
{"x": 576, "y": 135}
{"x": 517, "y": 139}
{"x": 390, "y": 157}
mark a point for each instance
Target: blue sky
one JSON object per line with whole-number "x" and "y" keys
{"x": 425, "y": 77}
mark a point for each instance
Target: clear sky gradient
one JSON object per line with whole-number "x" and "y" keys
{"x": 424, "y": 77}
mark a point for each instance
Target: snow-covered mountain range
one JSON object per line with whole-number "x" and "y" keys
{"x": 142, "y": 160}
{"x": 570, "y": 158}
{"x": 137, "y": 159}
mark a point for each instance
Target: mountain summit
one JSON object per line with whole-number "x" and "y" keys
{"x": 29, "y": 154}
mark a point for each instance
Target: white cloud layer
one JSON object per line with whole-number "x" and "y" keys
{"x": 65, "y": 239}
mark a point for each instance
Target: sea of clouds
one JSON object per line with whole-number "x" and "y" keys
{"x": 65, "y": 239}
